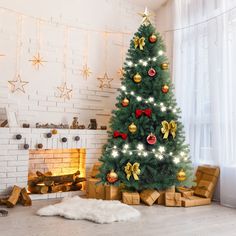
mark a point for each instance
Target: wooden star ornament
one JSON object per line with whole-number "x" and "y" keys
{"x": 146, "y": 15}
{"x": 85, "y": 71}
{"x": 105, "y": 81}
{"x": 18, "y": 84}
{"x": 65, "y": 92}
{"x": 37, "y": 61}
{"x": 121, "y": 72}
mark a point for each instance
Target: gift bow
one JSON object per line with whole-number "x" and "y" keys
{"x": 118, "y": 134}
{"x": 147, "y": 112}
{"x": 139, "y": 42}
{"x": 132, "y": 170}
{"x": 167, "y": 128}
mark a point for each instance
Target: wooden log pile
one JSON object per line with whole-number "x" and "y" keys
{"x": 49, "y": 183}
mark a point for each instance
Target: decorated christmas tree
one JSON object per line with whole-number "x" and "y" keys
{"x": 146, "y": 147}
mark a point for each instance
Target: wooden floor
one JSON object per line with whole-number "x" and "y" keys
{"x": 155, "y": 220}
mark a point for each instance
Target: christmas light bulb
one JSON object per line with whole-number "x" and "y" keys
{"x": 155, "y": 104}
{"x": 154, "y": 58}
{"x": 145, "y": 154}
{"x": 114, "y": 147}
{"x": 149, "y": 59}
{"x": 126, "y": 146}
{"x": 130, "y": 153}
{"x": 140, "y": 61}
{"x": 156, "y": 155}
{"x": 135, "y": 65}
{"x": 139, "y": 153}
{"x": 182, "y": 154}
{"x": 161, "y": 149}
{"x": 160, "y": 157}
{"x": 160, "y": 52}
{"x": 171, "y": 153}
{"x": 153, "y": 150}
{"x": 145, "y": 63}
{"x": 123, "y": 88}
{"x": 114, "y": 153}
{"x": 174, "y": 110}
{"x": 130, "y": 63}
{"x": 161, "y": 104}
{"x": 132, "y": 93}
{"x": 163, "y": 109}
{"x": 176, "y": 160}
{"x": 140, "y": 147}
{"x": 124, "y": 151}
{"x": 151, "y": 99}
{"x": 139, "y": 98}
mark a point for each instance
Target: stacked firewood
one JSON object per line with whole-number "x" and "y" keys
{"x": 49, "y": 183}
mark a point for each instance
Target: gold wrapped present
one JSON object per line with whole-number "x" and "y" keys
{"x": 113, "y": 192}
{"x": 131, "y": 198}
{"x": 149, "y": 196}
{"x": 195, "y": 201}
{"x": 95, "y": 170}
{"x": 95, "y": 190}
{"x": 172, "y": 199}
{"x": 185, "y": 192}
{"x": 161, "y": 198}
{"x": 204, "y": 188}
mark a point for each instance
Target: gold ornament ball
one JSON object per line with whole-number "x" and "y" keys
{"x": 112, "y": 177}
{"x": 54, "y": 131}
{"x": 132, "y": 128}
{"x": 125, "y": 102}
{"x": 153, "y": 38}
{"x": 137, "y": 78}
{"x": 164, "y": 66}
{"x": 181, "y": 176}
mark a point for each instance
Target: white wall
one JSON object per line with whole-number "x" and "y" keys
{"x": 41, "y": 103}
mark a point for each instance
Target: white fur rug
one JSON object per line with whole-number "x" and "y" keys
{"x": 99, "y": 211}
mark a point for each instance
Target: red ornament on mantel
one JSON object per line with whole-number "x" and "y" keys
{"x": 165, "y": 88}
{"x": 151, "y": 139}
{"x": 152, "y": 72}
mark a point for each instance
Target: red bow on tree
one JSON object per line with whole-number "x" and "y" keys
{"x": 118, "y": 134}
{"x": 147, "y": 112}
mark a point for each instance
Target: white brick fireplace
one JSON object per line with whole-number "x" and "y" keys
{"x": 14, "y": 159}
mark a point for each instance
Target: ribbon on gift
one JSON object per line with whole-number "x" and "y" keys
{"x": 168, "y": 127}
{"x": 132, "y": 170}
{"x": 117, "y": 134}
{"x": 139, "y": 42}
{"x": 147, "y": 112}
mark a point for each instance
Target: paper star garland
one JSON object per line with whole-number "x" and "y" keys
{"x": 146, "y": 14}
{"x": 18, "y": 84}
{"x": 85, "y": 71}
{"x": 105, "y": 81}
{"x": 65, "y": 92}
{"x": 37, "y": 61}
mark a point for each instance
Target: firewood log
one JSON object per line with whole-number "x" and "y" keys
{"x": 38, "y": 173}
{"x": 15, "y": 194}
{"x": 25, "y": 199}
{"x": 38, "y": 189}
{"x": 75, "y": 187}
{"x": 59, "y": 188}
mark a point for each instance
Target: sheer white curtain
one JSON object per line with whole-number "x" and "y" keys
{"x": 204, "y": 74}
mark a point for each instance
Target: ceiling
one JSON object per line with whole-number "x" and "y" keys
{"x": 151, "y": 4}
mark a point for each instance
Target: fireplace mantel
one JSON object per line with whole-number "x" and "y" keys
{"x": 14, "y": 159}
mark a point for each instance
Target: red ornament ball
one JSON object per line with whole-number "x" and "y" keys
{"x": 152, "y": 72}
{"x": 165, "y": 88}
{"x": 152, "y": 38}
{"x": 125, "y": 102}
{"x": 151, "y": 139}
{"x": 112, "y": 177}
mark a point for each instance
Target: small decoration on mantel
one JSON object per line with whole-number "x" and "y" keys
{"x": 26, "y": 146}
{"x": 103, "y": 127}
{"x": 93, "y": 124}
{"x": 54, "y": 131}
{"x": 37, "y": 61}
{"x": 4, "y": 123}
{"x": 85, "y": 71}
{"x": 65, "y": 91}
{"x": 75, "y": 123}
{"x": 64, "y": 139}
{"x": 81, "y": 127}
{"x": 40, "y": 146}
{"x": 49, "y": 135}
{"x": 18, "y": 84}
{"x": 77, "y": 138}
{"x": 18, "y": 136}
{"x": 105, "y": 81}
{"x": 24, "y": 125}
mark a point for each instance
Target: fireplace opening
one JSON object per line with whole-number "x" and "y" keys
{"x": 56, "y": 170}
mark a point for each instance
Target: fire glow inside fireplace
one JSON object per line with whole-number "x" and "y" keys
{"x": 56, "y": 170}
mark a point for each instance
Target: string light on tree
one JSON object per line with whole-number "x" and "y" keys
{"x": 176, "y": 160}
{"x": 115, "y": 153}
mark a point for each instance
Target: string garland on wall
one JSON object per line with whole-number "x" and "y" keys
{"x": 37, "y": 60}
{"x": 18, "y": 84}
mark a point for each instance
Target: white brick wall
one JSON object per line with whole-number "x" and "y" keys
{"x": 14, "y": 160}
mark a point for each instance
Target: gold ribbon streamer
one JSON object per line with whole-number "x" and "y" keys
{"x": 167, "y": 128}
{"x": 132, "y": 170}
{"x": 139, "y": 42}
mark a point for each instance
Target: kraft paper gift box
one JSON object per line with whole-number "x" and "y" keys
{"x": 204, "y": 188}
{"x": 95, "y": 190}
{"x": 131, "y": 198}
{"x": 161, "y": 198}
{"x": 195, "y": 201}
{"x": 149, "y": 196}
{"x": 95, "y": 170}
{"x": 173, "y": 199}
{"x": 113, "y": 192}
{"x": 185, "y": 192}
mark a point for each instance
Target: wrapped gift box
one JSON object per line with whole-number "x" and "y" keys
{"x": 131, "y": 198}
{"x": 113, "y": 192}
{"x": 161, "y": 198}
{"x": 95, "y": 170}
{"x": 95, "y": 190}
{"x": 195, "y": 201}
{"x": 149, "y": 196}
{"x": 204, "y": 188}
{"x": 173, "y": 199}
{"x": 185, "y": 192}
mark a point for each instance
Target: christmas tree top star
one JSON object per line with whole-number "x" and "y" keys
{"x": 146, "y": 15}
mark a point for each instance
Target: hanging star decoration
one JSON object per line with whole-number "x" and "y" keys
{"x": 146, "y": 15}
{"x": 37, "y": 61}
{"x": 121, "y": 72}
{"x": 85, "y": 71}
{"x": 65, "y": 92}
{"x": 18, "y": 84}
{"x": 105, "y": 81}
